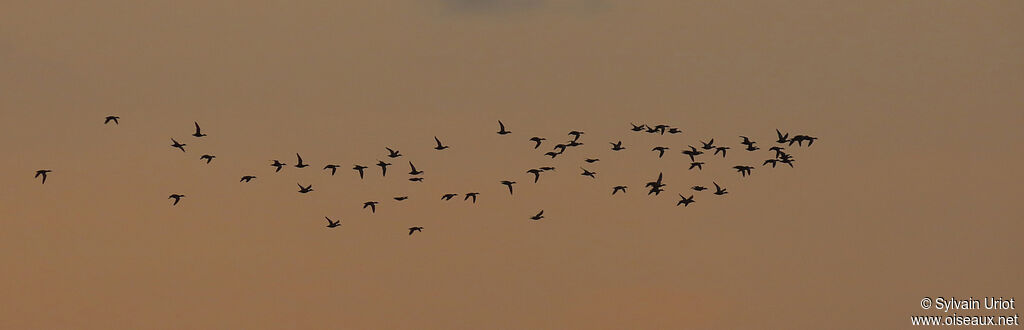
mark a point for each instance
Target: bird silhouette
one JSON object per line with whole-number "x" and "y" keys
{"x": 787, "y": 161}
{"x": 448, "y": 197}
{"x": 698, "y": 165}
{"x": 306, "y": 189}
{"x": 719, "y": 190}
{"x": 616, "y": 146}
{"x": 752, "y": 148}
{"x": 414, "y": 171}
{"x": 415, "y": 229}
{"x": 619, "y": 188}
{"x": 660, "y": 150}
{"x": 372, "y": 205}
{"x": 744, "y": 170}
{"x": 383, "y": 167}
{"x": 708, "y": 145}
{"x": 778, "y": 151}
{"x": 561, "y": 147}
{"x": 693, "y": 152}
{"x": 770, "y": 161}
{"x": 177, "y": 198}
{"x": 652, "y": 130}
{"x": 588, "y": 173}
{"x": 359, "y": 168}
{"x": 722, "y": 149}
{"x": 416, "y": 179}
{"x": 300, "y": 164}
{"x": 540, "y": 215}
{"x": 637, "y": 128}
{"x": 502, "y": 131}
{"x": 42, "y": 173}
{"x": 661, "y": 128}
{"x": 575, "y": 135}
{"x": 685, "y": 201}
{"x": 591, "y": 160}
{"x": 699, "y": 188}
{"x": 111, "y": 119}
{"x": 333, "y": 168}
{"x": 782, "y": 138}
{"x": 473, "y": 195}
{"x": 278, "y": 164}
{"x": 537, "y": 140}
{"x": 198, "y": 132}
{"x": 332, "y": 224}
{"x": 747, "y": 142}
{"x": 799, "y": 139}
{"x": 573, "y": 144}
{"x": 674, "y": 130}
{"x": 247, "y": 178}
{"x": 547, "y": 168}
{"x": 393, "y": 153}
{"x": 208, "y": 158}
{"x": 439, "y": 145}
{"x": 536, "y": 174}
{"x": 178, "y": 145}
{"x": 552, "y": 154}
{"x": 509, "y": 184}
{"x": 401, "y": 198}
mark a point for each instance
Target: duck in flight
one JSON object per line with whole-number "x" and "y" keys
{"x": 616, "y": 146}
{"x": 111, "y": 119}
{"x": 198, "y": 132}
{"x": 383, "y": 167}
{"x": 303, "y": 190}
{"x": 575, "y": 135}
{"x": 502, "y": 131}
{"x": 588, "y": 173}
{"x": 247, "y": 178}
{"x": 799, "y": 139}
{"x": 177, "y": 198}
{"x": 473, "y": 195}
{"x": 509, "y": 185}
{"x": 416, "y": 179}
{"x": 573, "y": 143}
{"x": 698, "y": 188}
{"x": 778, "y": 151}
{"x": 693, "y": 152}
{"x": 43, "y": 174}
{"x": 708, "y": 145}
{"x": 685, "y": 201}
{"x": 660, "y": 150}
{"x": 300, "y": 164}
{"x": 393, "y": 153}
{"x": 208, "y": 158}
{"x": 414, "y": 171}
{"x": 722, "y": 149}
{"x": 401, "y": 198}
{"x": 770, "y": 161}
{"x": 719, "y": 190}
{"x": 536, "y": 174}
{"x": 359, "y": 168}
{"x": 619, "y": 188}
{"x": 782, "y": 138}
{"x": 372, "y": 205}
{"x": 547, "y": 168}
{"x": 698, "y": 165}
{"x": 540, "y": 215}
{"x": 537, "y": 140}
{"x": 448, "y": 197}
{"x": 332, "y": 224}
{"x": 661, "y": 128}
{"x": 591, "y": 160}
{"x": 278, "y": 164}
{"x": 415, "y": 229}
{"x": 439, "y": 145}
{"x": 748, "y": 143}
{"x": 560, "y": 147}
{"x": 178, "y": 145}
{"x": 333, "y": 168}
{"x": 744, "y": 170}
{"x": 637, "y": 128}
{"x": 674, "y": 130}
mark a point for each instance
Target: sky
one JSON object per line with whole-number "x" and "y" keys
{"x": 911, "y": 190}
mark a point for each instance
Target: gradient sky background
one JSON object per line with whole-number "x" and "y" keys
{"x": 912, "y": 190}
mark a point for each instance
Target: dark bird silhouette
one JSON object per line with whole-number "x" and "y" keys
{"x": 509, "y": 184}
{"x": 708, "y": 145}
{"x": 439, "y": 145}
{"x": 393, "y": 153}
{"x": 372, "y": 205}
{"x": 591, "y": 160}
{"x": 699, "y": 188}
{"x": 661, "y": 128}
{"x": 537, "y": 140}
{"x": 787, "y": 161}
{"x": 359, "y": 168}
{"x": 300, "y": 164}
{"x": 547, "y": 168}
{"x": 208, "y": 158}
{"x": 753, "y": 148}
{"x": 43, "y": 173}
{"x": 278, "y": 164}
{"x": 637, "y": 128}
{"x": 719, "y": 190}
{"x": 799, "y": 139}
{"x": 415, "y": 229}
{"x": 560, "y": 147}
{"x": 693, "y": 152}
{"x": 747, "y": 142}
{"x": 414, "y": 171}
{"x": 111, "y": 119}
{"x": 575, "y": 135}
{"x": 573, "y": 144}
{"x": 198, "y": 132}
{"x": 177, "y": 198}
{"x": 722, "y": 149}
{"x": 502, "y": 131}
{"x": 674, "y": 130}
{"x": 660, "y": 150}
{"x": 588, "y": 173}
{"x": 552, "y": 154}
{"x": 178, "y": 145}
{"x": 332, "y": 224}
{"x": 448, "y": 197}
{"x": 685, "y": 201}
{"x": 698, "y": 165}
{"x": 652, "y": 129}
{"x": 616, "y": 146}
{"x": 619, "y": 188}
{"x": 770, "y": 161}
{"x": 247, "y": 178}
{"x": 333, "y": 167}
{"x": 778, "y": 151}
{"x": 401, "y": 198}
{"x": 540, "y": 215}
{"x": 383, "y": 167}
{"x": 416, "y": 179}
{"x": 744, "y": 170}
{"x": 655, "y": 190}
{"x": 473, "y": 195}
{"x": 536, "y": 174}
{"x": 303, "y": 190}
{"x": 657, "y": 183}
{"x": 782, "y": 138}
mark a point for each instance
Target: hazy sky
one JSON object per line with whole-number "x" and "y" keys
{"x": 911, "y": 191}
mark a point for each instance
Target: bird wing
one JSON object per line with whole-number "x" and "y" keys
{"x": 197, "y": 126}
{"x": 412, "y": 166}
{"x": 299, "y": 157}
{"x": 438, "y": 141}
{"x": 502, "y": 125}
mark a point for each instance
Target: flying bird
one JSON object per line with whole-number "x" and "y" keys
{"x": 699, "y": 188}
{"x": 502, "y": 131}
{"x": 674, "y": 130}
{"x": 414, "y": 171}
{"x": 719, "y": 190}
{"x": 178, "y": 145}
{"x": 393, "y": 153}
{"x": 372, "y": 205}
{"x": 575, "y": 135}
{"x": 416, "y": 179}
{"x": 698, "y": 165}
{"x": 537, "y": 139}
{"x": 637, "y": 128}
{"x": 799, "y": 139}
{"x": 208, "y": 158}
{"x": 591, "y": 160}
{"x": 778, "y": 151}
{"x": 247, "y": 178}
{"x": 509, "y": 184}
{"x": 722, "y": 149}
{"x": 198, "y": 132}
{"x": 747, "y": 142}
{"x": 693, "y": 152}
{"x": 383, "y": 167}
{"x": 661, "y": 128}
{"x": 547, "y": 168}
{"x": 573, "y": 143}
{"x": 359, "y": 168}
{"x": 552, "y": 154}
{"x": 685, "y": 201}
{"x": 303, "y": 190}
{"x": 177, "y": 198}
{"x": 333, "y": 167}
{"x": 415, "y": 229}
{"x": 660, "y": 150}
{"x": 278, "y": 164}
{"x": 43, "y": 173}
{"x": 332, "y": 224}
{"x": 540, "y": 215}
{"x": 111, "y": 119}
{"x": 439, "y": 145}
{"x": 588, "y": 173}
{"x": 616, "y": 146}
{"x": 300, "y": 164}
{"x": 744, "y": 170}
{"x": 619, "y": 188}
{"x": 401, "y": 198}
{"x": 536, "y": 174}
{"x": 708, "y": 145}
{"x": 782, "y": 138}
{"x": 561, "y": 147}
{"x": 473, "y": 195}
{"x": 770, "y": 161}
{"x": 448, "y": 197}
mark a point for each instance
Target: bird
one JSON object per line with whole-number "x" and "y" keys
{"x": 537, "y": 139}
{"x": 591, "y": 160}
{"x": 552, "y": 154}
{"x": 656, "y": 184}
{"x": 575, "y": 135}
{"x": 300, "y": 164}
{"x": 661, "y": 128}
{"x": 401, "y": 198}
{"x": 372, "y": 205}
{"x": 43, "y": 173}
{"x": 778, "y": 151}
{"x": 306, "y": 189}
{"x": 177, "y": 198}
{"x": 708, "y": 145}
{"x": 359, "y": 168}
{"x": 416, "y": 179}
{"x": 744, "y": 170}
{"x": 752, "y": 148}
{"x": 473, "y": 195}
{"x": 637, "y": 128}
{"x": 770, "y": 161}
{"x": 208, "y": 158}
{"x": 333, "y": 167}
{"x": 247, "y": 178}
{"x": 747, "y": 142}
{"x": 698, "y": 165}
{"x": 674, "y": 130}
{"x": 719, "y": 190}
{"x": 561, "y": 147}
{"x": 278, "y": 164}
{"x": 685, "y": 201}
{"x": 699, "y": 188}
{"x": 722, "y": 149}
{"x": 587, "y": 173}
{"x": 693, "y": 152}
{"x": 787, "y": 161}
{"x": 573, "y": 143}
{"x": 178, "y": 145}
{"x": 619, "y": 188}
{"x": 415, "y": 229}
{"x": 332, "y": 224}
{"x": 448, "y": 197}
{"x": 439, "y": 145}
{"x": 616, "y": 146}
{"x": 655, "y": 191}
{"x": 660, "y": 150}
{"x": 540, "y": 215}
{"x": 536, "y": 174}
{"x": 502, "y": 131}
{"x": 652, "y": 129}
{"x": 414, "y": 171}
{"x": 393, "y": 153}
{"x": 799, "y": 139}
{"x": 509, "y": 184}
{"x": 782, "y": 138}
{"x": 198, "y": 133}
{"x": 383, "y": 167}
{"x": 111, "y": 119}
{"x": 547, "y": 168}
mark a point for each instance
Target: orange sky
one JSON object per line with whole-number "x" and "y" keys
{"x": 908, "y": 193}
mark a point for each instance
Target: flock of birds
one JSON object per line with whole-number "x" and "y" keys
{"x": 656, "y": 187}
